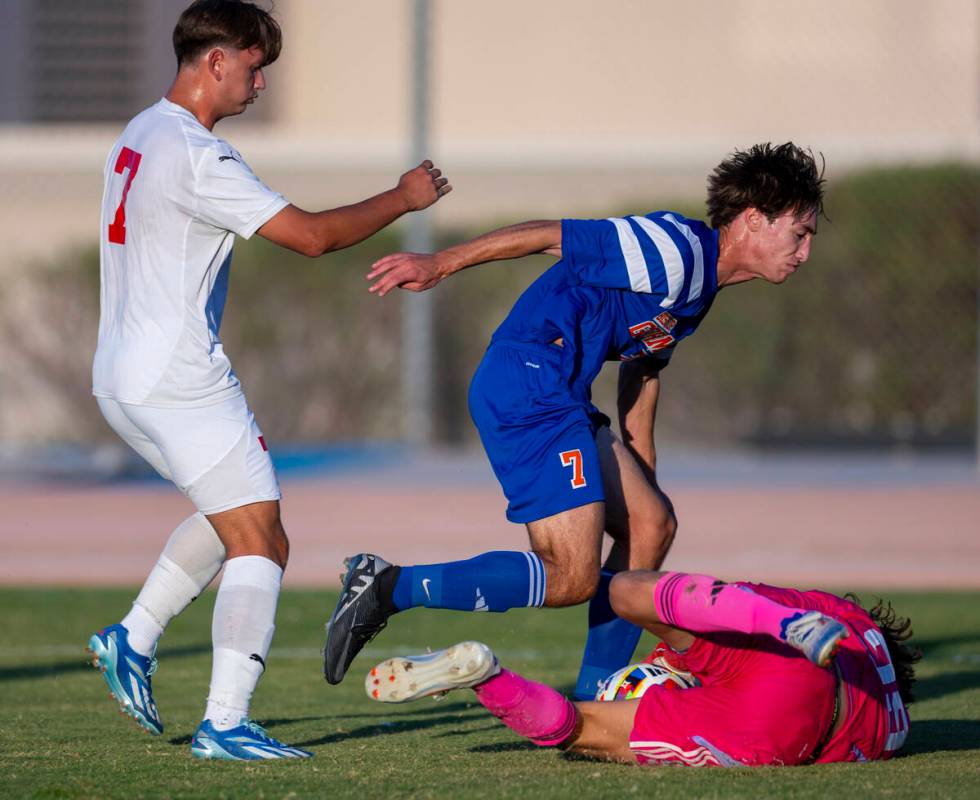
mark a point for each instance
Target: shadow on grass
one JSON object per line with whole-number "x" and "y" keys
{"x": 942, "y": 736}
{"x": 928, "y": 736}
{"x": 385, "y": 728}
{"x": 946, "y": 683}
{"x": 268, "y": 724}
{"x": 495, "y": 726}
{"x": 451, "y": 715}
{"x": 927, "y": 646}
{"x": 421, "y": 708}
{"x": 504, "y": 747}
{"x": 83, "y": 663}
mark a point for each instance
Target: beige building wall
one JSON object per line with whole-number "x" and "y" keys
{"x": 544, "y": 107}
{"x": 560, "y": 79}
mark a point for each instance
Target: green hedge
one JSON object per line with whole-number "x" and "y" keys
{"x": 873, "y": 341}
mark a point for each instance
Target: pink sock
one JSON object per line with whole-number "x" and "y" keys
{"x": 702, "y": 604}
{"x": 530, "y": 709}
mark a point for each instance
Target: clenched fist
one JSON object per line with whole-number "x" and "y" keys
{"x": 422, "y": 186}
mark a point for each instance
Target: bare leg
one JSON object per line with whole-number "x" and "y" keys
{"x": 632, "y": 599}
{"x": 638, "y": 515}
{"x": 253, "y": 530}
{"x": 604, "y": 731}
{"x": 570, "y": 546}
{"x": 639, "y": 519}
{"x": 545, "y": 717}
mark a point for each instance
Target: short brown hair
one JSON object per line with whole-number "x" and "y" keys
{"x": 775, "y": 179}
{"x": 225, "y": 23}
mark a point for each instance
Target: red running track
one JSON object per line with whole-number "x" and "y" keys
{"x": 873, "y": 536}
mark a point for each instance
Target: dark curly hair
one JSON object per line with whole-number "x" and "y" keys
{"x": 775, "y": 179}
{"x": 230, "y": 23}
{"x": 897, "y": 631}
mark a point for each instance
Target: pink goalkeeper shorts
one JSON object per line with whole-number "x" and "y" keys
{"x": 760, "y": 703}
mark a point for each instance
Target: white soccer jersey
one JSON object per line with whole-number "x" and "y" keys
{"x": 175, "y": 197}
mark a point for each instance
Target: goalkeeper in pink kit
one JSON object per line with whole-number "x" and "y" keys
{"x": 786, "y": 677}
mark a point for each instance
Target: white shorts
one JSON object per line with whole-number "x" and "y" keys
{"x": 214, "y": 454}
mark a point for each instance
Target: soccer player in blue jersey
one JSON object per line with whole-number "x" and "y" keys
{"x": 625, "y": 289}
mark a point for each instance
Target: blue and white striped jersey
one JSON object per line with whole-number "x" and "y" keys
{"x": 624, "y": 288}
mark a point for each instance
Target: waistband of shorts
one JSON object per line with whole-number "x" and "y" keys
{"x": 211, "y": 400}
{"x": 550, "y": 351}
{"x": 839, "y": 687}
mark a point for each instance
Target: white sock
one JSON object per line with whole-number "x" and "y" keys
{"x": 244, "y": 621}
{"x": 191, "y": 558}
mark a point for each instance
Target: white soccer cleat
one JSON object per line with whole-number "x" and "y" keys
{"x": 404, "y": 678}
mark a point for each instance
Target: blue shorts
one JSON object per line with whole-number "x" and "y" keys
{"x": 540, "y": 440}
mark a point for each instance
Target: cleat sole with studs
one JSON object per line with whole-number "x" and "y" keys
{"x": 399, "y": 680}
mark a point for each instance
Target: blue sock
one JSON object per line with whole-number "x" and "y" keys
{"x": 610, "y": 643}
{"x": 494, "y": 581}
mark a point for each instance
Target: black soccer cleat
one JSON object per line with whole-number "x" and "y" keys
{"x": 359, "y": 616}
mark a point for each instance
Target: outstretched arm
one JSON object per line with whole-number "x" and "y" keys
{"x": 419, "y": 271}
{"x": 316, "y": 233}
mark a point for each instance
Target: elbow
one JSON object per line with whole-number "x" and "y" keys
{"x": 306, "y": 243}
{"x": 316, "y": 246}
{"x": 313, "y": 241}
{"x": 311, "y": 247}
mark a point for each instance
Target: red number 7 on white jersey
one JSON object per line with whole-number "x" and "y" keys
{"x": 128, "y": 159}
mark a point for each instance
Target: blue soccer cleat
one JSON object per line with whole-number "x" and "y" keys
{"x": 815, "y": 635}
{"x": 128, "y": 675}
{"x": 245, "y": 742}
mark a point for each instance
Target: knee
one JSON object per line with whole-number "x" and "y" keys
{"x": 570, "y": 585}
{"x": 585, "y": 587}
{"x": 628, "y": 595}
{"x": 659, "y": 530}
{"x": 283, "y": 550}
{"x": 619, "y": 592}
{"x": 279, "y": 545}
{"x": 666, "y": 526}
{"x": 647, "y": 540}
{"x": 581, "y": 590}
{"x": 269, "y": 540}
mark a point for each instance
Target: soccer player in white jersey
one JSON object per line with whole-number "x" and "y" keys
{"x": 175, "y": 197}
{"x": 625, "y": 289}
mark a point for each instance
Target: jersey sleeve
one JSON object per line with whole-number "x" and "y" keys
{"x": 657, "y": 254}
{"x": 230, "y": 196}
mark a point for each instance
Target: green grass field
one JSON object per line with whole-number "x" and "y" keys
{"x": 60, "y": 734}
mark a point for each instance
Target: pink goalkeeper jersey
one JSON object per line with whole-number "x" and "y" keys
{"x": 876, "y": 724}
